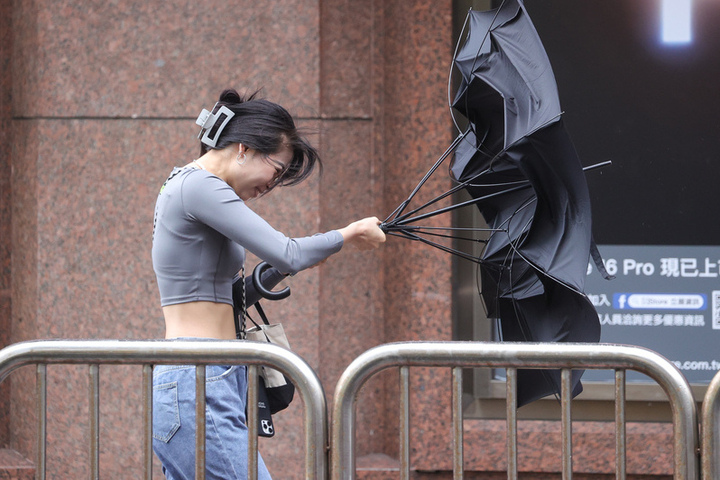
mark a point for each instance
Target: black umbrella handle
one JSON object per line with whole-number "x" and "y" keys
{"x": 265, "y": 292}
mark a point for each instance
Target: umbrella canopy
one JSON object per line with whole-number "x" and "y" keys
{"x": 517, "y": 162}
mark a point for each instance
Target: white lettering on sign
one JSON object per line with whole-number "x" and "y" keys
{"x": 651, "y": 320}
{"x": 671, "y": 267}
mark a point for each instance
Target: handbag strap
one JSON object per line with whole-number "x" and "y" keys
{"x": 264, "y": 319}
{"x": 240, "y": 316}
{"x": 262, "y": 316}
{"x": 243, "y": 313}
{"x": 261, "y": 312}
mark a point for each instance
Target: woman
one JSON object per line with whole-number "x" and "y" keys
{"x": 202, "y": 228}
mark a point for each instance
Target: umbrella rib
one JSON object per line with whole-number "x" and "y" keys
{"x": 453, "y": 251}
{"x": 597, "y": 165}
{"x": 457, "y": 188}
{"x": 452, "y": 63}
{"x": 400, "y": 219}
{"x": 456, "y": 229}
{"x": 468, "y": 182}
{"x": 460, "y": 205}
{"x": 452, "y": 237}
{"x": 442, "y": 158}
{"x": 397, "y": 213}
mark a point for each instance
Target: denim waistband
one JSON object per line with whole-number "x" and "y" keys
{"x": 164, "y": 368}
{"x": 159, "y": 369}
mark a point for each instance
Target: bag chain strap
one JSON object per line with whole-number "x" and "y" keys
{"x": 240, "y": 328}
{"x": 241, "y": 333}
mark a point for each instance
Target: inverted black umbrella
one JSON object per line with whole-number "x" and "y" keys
{"x": 517, "y": 162}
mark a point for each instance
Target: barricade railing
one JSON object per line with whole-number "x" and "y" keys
{"x": 185, "y": 352}
{"x": 710, "y": 427}
{"x": 513, "y": 356}
{"x": 456, "y": 355}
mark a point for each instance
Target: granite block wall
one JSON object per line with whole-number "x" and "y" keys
{"x": 104, "y": 98}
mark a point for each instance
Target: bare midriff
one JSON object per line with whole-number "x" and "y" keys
{"x": 199, "y": 319}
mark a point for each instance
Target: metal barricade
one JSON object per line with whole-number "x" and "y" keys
{"x": 199, "y": 353}
{"x": 711, "y": 431}
{"x": 512, "y": 356}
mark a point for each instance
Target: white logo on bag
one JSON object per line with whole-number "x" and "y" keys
{"x": 266, "y": 427}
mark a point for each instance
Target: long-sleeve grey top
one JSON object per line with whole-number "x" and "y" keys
{"x": 201, "y": 231}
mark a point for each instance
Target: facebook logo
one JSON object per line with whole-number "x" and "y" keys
{"x": 620, "y": 301}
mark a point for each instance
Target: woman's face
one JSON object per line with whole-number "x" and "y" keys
{"x": 258, "y": 172}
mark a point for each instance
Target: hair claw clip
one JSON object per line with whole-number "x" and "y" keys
{"x": 207, "y": 121}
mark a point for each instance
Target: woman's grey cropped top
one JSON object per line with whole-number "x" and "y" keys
{"x": 201, "y": 231}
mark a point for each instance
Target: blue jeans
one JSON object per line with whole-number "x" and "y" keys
{"x": 226, "y": 434}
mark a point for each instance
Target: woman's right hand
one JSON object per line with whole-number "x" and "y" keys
{"x": 364, "y": 234}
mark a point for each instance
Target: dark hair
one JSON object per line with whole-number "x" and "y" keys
{"x": 267, "y": 128}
